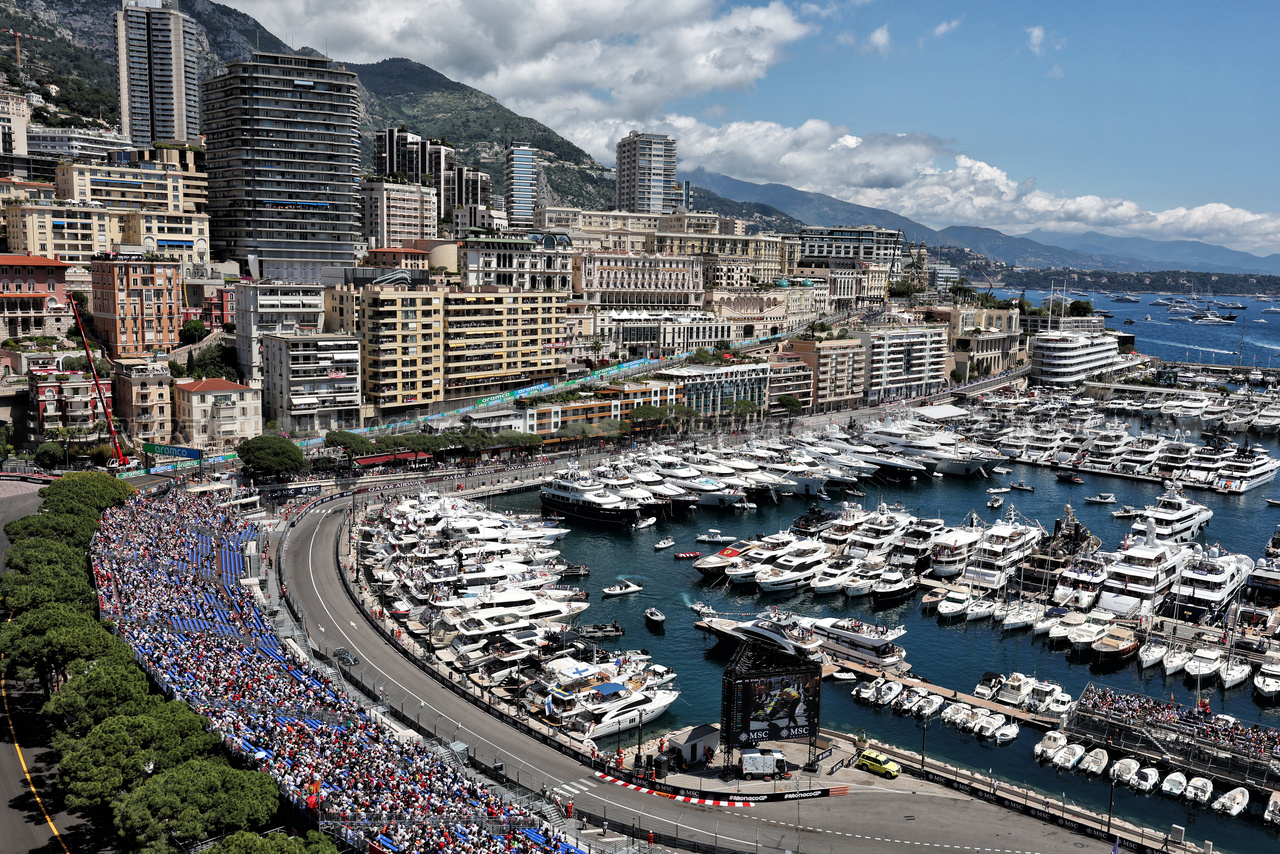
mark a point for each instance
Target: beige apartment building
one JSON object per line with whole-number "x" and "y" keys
{"x": 137, "y": 303}
{"x": 215, "y": 415}
{"x": 142, "y": 407}
{"x": 875, "y": 365}
{"x": 765, "y": 252}
{"x": 534, "y": 262}
{"x": 400, "y": 325}
{"x": 393, "y": 213}
{"x": 72, "y": 232}
{"x": 644, "y": 282}
{"x": 499, "y": 339}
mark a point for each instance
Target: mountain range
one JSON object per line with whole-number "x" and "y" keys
{"x": 399, "y": 91}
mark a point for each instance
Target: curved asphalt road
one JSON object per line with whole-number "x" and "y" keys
{"x": 876, "y": 817}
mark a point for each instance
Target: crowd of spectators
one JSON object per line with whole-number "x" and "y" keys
{"x": 1198, "y": 723}
{"x": 168, "y": 572}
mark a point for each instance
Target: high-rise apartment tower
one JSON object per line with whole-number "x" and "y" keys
{"x": 156, "y": 59}
{"x": 646, "y": 174}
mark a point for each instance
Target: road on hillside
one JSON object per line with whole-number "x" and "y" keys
{"x": 876, "y": 817}
{"x": 25, "y": 829}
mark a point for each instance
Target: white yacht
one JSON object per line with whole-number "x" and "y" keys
{"x": 1088, "y": 633}
{"x": 1207, "y": 461}
{"x": 614, "y": 708}
{"x": 585, "y": 498}
{"x": 711, "y": 492}
{"x": 1141, "y": 455}
{"x": 1005, "y": 545}
{"x": 876, "y": 534}
{"x": 1204, "y": 665}
{"x": 952, "y": 551}
{"x": 1267, "y": 682}
{"x": 1176, "y": 517}
{"x": 915, "y": 546}
{"x": 1208, "y": 583}
{"x": 785, "y": 632}
{"x": 867, "y": 644}
{"x": 1142, "y": 575}
{"x": 1080, "y": 583}
{"x": 1248, "y": 469}
{"x": 796, "y": 568}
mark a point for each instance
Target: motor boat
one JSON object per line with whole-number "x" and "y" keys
{"x": 866, "y": 690}
{"x": 980, "y": 609}
{"x": 909, "y": 698}
{"x": 1174, "y": 785}
{"x": 893, "y": 586}
{"x": 653, "y": 615}
{"x": 989, "y": 686}
{"x": 1101, "y": 498}
{"x": 1016, "y": 689}
{"x": 928, "y": 706}
{"x": 996, "y": 502}
{"x": 1069, "y": 756}
{"x": 1145, "y": 780}
{"x": 1095, "y": 761}
{"x": 713, "y": 535}
{"x": 887, "y": 693}
{"x": 622, "y": 588}
{"x": 1053, "y": 741}
{"x": 997, "y": 490}
{"x": 1059, "y": 704}
{"x": 664, "y": 543}
{"x": 1199, "y": 790}
{"x": 954, "y": 604}
{"x": 1122, "y": 772}
{"x": 1007, "y": 733}
{"x": 1204, "y": 664}
{"x": 1272, "y": 814}
{"x": 1050, "y": 618}
{"x": 953, "y": 712}
{"x": 647, "y": 522}
{"x": 1267, "y": 682}
{"x": 987, "y": 725}
{"x": 1233, "y": 802}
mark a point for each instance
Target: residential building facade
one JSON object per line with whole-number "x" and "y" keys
{"x": 311, "y": 383}
{"x": 765, "y": 252}
{"x": 33, "y": 296}
{"x": 64, "y": 399}
{"x": 867, "y": 243}
{"x": 283, "y": 204}
{"x": 215, "y": 415}
{"x": 156, "y": 50}
{"x": 393, "y": 213}
{"x": 1066, "y": 359}
{"x": 273, "y": 308}
{"x": 789, "y": 376}
{"x": 520, "y": 174}
{"x": 642, "y": 282}
{"x": 527, "y": 262}
{"x": 140, "y": 399}
{"x": 646, "y": 174}
{"x": 137, "y": 303}
{"x": 499, "y": 339}
{"x": 713, "y": 389}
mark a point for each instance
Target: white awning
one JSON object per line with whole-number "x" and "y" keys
{"x": 305, "y": 401}
{"x": 940, "y": 412}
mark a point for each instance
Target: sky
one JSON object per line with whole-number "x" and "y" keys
{"x": 1130, "y": 118}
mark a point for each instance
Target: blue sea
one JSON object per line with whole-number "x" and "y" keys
{"x": 954, "y": 655}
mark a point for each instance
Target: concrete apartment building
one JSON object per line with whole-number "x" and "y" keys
{"x": 273, "y": 308}
{"x": 81, "y": 145}
{"x": 283, "y": 204}
{"x": 650, "y": 335}
{"x": 141, "y": 405}
{"x": 215, "y": 415}
{"x": 983, "y": 340}
{"x": 850, "y": 284}
{"x": 137, "y": 303}
{"x": 499, "y": 339}
{"x": 867, "y": 243}
{"x": 608, "y": 231}
{"x": 875, "y": 365}
{"x": 520, "y": 174}
{"x": 33, "y": 296}
{"x": 311, "y": 383}
{"x": 15, "y": 116}
{"x": 1066, "y": 359}
{"x": 400, "y": 323}
{"x": 64, "y": 399}
{"x": 156, "y": 54}
{"x": 789, "y": 376}
{"x": 73, "y": 232}
{"x": 712, "y": 389}
{"x": 646, "y": 174}
{"x": 641, "y": 282}
{"x": 393, "y": 213}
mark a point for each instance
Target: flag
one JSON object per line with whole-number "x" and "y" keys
{"x": 1115, "y": 849}
{"x": 547, "y": 705}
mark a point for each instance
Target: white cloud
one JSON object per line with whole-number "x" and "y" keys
{"x": 1035, "y": 39}
{"x": 846, "y": 38}
{"x": 1056, "y": 71}
{"x": 945, "y": 27}
{"x": 879, "y": 41}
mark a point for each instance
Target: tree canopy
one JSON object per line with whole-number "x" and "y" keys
{"x": 47, "y": 640}
{"x": 353, "y": 443}
{"x": 84, "y": 493}
{"x": 192, "y": 331}
{"x": 101, "y": 689}
{"x": 50, "y": 455}
{"x": 792, "y": 404}
{"x": 193, "y": 801}
{"x": 271, "y": 457}
{"x": 245, "y": 842}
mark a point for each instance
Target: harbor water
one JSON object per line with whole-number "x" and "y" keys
{"x": 952, "y": 655}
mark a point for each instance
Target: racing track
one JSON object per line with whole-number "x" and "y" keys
{"x": 873, "y": 818}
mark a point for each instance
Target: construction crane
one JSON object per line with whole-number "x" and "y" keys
{"x": 121, "y": 461}
{"x": 17, "y": 41}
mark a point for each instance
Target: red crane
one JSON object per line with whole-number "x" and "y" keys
{"x": 17, "y": 41}
{"x": 121, "y": 461}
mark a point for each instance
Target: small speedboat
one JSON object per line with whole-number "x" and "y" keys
{"x": 622, "y": 588}
{"x": 1274, "y": 502}
{"x": 1122, "y": 772}
{"x": 1272, "y": 815}
{"x": 1048, "y": 747}
{"x": 664, "y": 543}
{"x": 653, "y": 615}
{"x": 1069, "y": 756}
{"x": 1022, "y": 486}
{"x": 887, "y": 693}
{"x": 867, "y": 690}
{"x": 1128, "y": 511}
{"x": 954, "y": 712}
{"x": 1095, "y": 761}
{"x": 1199, "y": 790}
{"x": 688, "y": 555}
{"x": 928, "y": 706}
{"x": 1233, "y": 802}
{"x": 647, "y": 522}
{"x": 996, "y": 502}
{"x": 1001, "y": 470}
{"x": 1069, "y": 477}
{"x": 713, "y": 535}
{"x": 1101, "y": 498}
{"x": 1174, "y": 785}
{"x": 986, "y": 726}
{"x": 998, "y": 490}
{"x": 1006, "y": 733}
{"x": 1145, "y": 780}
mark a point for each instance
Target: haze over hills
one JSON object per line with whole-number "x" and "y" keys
{"x": 398, "y": 91}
